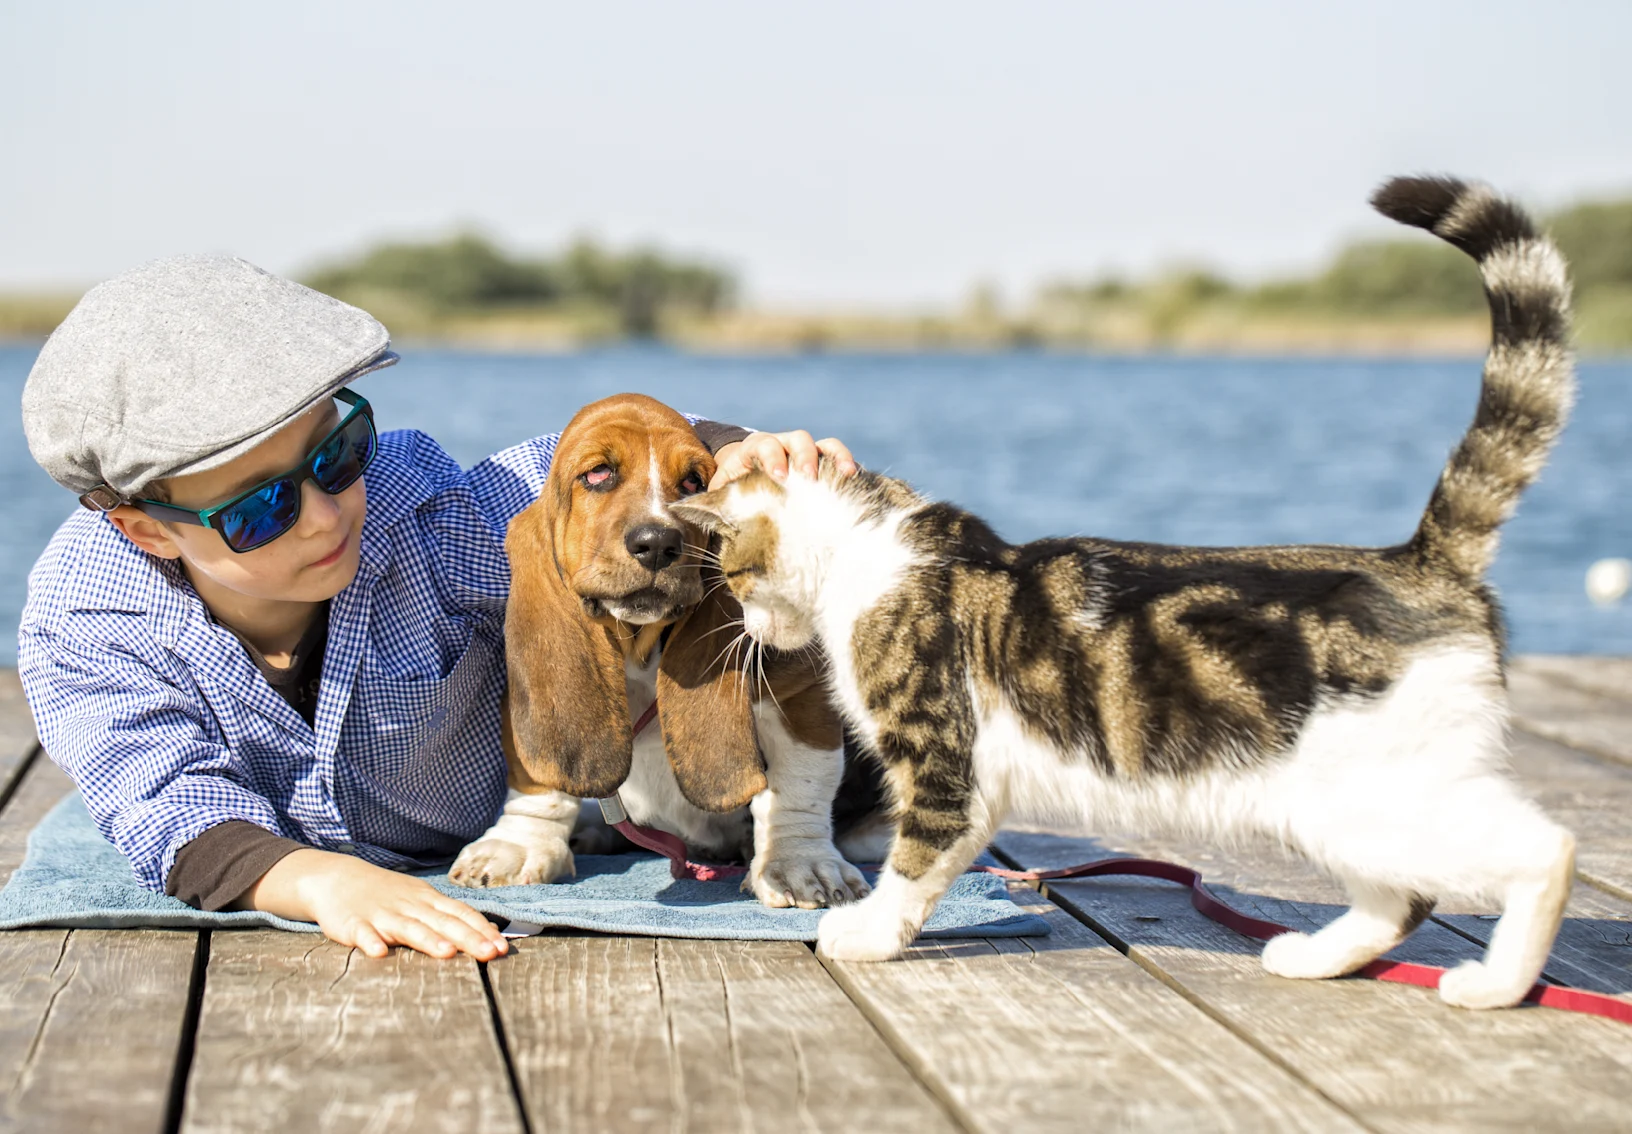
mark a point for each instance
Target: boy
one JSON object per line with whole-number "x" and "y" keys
{"x": 276, "y": 681}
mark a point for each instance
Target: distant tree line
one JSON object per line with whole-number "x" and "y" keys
{"x": 1410, "y": 276}
{"x": 468, "y": 273}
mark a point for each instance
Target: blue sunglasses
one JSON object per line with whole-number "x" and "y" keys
{"x": 258, "y": 516}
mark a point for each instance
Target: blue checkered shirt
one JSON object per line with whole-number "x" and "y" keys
{"x": 164, "y": 723}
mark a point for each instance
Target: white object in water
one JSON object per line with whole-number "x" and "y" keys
{"x": 1608, "y": 581}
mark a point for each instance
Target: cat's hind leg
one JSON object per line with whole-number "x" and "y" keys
{"x": 1380, "y": 919}
{"x": 1532, "y": 909}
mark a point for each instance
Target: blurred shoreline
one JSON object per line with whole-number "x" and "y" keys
{"x": 1402, "y": 296}
{"x": 1125, "y": 329}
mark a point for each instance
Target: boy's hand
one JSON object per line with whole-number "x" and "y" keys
{"x": 358, "y": 903}
{"x": 776, "y": 453}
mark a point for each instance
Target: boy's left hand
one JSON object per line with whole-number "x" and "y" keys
{"x": 776, "y": 453}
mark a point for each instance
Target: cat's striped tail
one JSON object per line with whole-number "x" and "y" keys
{"x": 1529, "y": 381}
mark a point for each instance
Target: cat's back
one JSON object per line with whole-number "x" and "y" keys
{"x": 1108, "y": 647}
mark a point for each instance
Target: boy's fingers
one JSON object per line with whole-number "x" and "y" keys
{"x": 426, "y": 937}
{"x": 801, "y": 450}
{"x": 404, "y": 927}
{"x": 464, "y": 936}
{"x": 770, "y": 454}
{"x": 370, "y": 942}
{"x": 477, "y": 922}
{"x": 839, "y": 453}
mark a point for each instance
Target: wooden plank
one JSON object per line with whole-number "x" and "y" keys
{"x": 1607, "y": 677}
{"x": 17, "y": 740}
{"x": 41, "y": 788}
{"x": 1569, "y": 715}
{"x": 637, "y": 1034}
{"x": 1590, "y": 797}
{"x": 1393, "y": 1056}
{"x": 1594, "y": 945}
{"x": 1064, "y": 1033}
{"x": 90, "y": 1020}
{"x": 297, "y": 1033}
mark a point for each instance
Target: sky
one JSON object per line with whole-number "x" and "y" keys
{"x": 835, "y": 154}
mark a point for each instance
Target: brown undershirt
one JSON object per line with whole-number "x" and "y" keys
{"x": 220, "y": 864}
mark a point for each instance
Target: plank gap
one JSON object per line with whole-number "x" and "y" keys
{"x": 1149, "y": 965}
{"x": 933, "y": 1085}
{"x": 9, "y": 787}
{"x": 504, "y": 1048}
{"x": 188, "y": 1040}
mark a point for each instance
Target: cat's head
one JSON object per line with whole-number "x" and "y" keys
{"x": 777, "y": 541}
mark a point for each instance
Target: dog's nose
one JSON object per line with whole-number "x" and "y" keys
{"x": 654, "y": 546}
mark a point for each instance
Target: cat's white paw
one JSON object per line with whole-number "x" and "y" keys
{"x": 500, "y": 862}
{"x": 1301, "y": 956}
{"x": 866, "y": 931}
{"x": 809, "y": 875}
{"x": 1473, "y": 985}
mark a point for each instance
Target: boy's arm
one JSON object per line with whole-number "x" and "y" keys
{"x": 155, "y": 783}
{"x": 135, "y": 746}
{"x": 358, "y": 903}
{"x": 216, "y": 869}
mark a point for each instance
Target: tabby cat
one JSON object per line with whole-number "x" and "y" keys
{"x": 1348, "y": 703}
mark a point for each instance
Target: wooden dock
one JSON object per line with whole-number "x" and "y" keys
{"x": 1135, "y": 1014}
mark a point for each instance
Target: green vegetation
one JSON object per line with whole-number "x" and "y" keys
{"x": 634, "y": 293}
{"x": 1412, "y": 291}
{"x": 1408, "y": 294}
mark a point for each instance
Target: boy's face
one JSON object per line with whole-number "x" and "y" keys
{"x": 313, "y": 561}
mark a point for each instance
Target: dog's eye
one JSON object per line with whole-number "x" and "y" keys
{"x": 692, "y": 485}
{"x": 598, "y": 477}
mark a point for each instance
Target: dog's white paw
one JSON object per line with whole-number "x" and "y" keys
{"x": 1472, "y": 985}
{"x": 866, "y": 931}
{"x": 1300, "y": 956}
{"x": 809, "y": 875}
{"x": 500, "y": 862}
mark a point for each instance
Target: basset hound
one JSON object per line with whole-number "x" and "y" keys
{"x": 614, "y": 604}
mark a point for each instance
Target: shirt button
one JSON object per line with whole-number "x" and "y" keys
{"x": 346, "y": 848}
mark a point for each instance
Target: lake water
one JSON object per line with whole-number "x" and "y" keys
{"x": 1184, "y": 450}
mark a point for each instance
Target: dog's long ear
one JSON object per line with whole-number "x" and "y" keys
{"x": 567, "y": 709}
{"x": 704, "y": 705}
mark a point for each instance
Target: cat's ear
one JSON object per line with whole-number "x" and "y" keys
{"x": 706, "y": 510}
{"x": 566, "y": 713}
{"x": 704, "y": 706}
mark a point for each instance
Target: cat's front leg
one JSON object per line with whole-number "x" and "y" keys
{"x": 944, "y": 826}
{"x": 527, "y": 845}
{"x": 795, "y": 862}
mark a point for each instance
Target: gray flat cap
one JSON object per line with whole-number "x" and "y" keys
{"x": 184, "y": 364}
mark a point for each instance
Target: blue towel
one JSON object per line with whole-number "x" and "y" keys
{"x": 73, "y": 878}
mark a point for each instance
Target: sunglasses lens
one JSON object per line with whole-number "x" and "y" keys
{"x": 264, "y": 516}
{"x": 273, "y": 509}
{"x": 342, "y": 459}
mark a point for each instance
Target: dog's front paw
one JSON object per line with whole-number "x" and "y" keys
{"x": 500, "y": 862}
{"x": 808, "y": 875}
{"x": 866, "y": 931}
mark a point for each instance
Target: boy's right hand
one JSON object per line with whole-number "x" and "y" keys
{"x": 357, "y": 903}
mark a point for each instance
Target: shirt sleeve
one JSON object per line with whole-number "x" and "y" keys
{"x": 216, "y": 868}
{"x": 137, "y": 748}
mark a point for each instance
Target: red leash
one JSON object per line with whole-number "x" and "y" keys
{"x": 1397, "y": 972}
{"x": 661, "y": 842}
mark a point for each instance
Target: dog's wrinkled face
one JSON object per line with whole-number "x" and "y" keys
{"x": 619, "y": 465}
